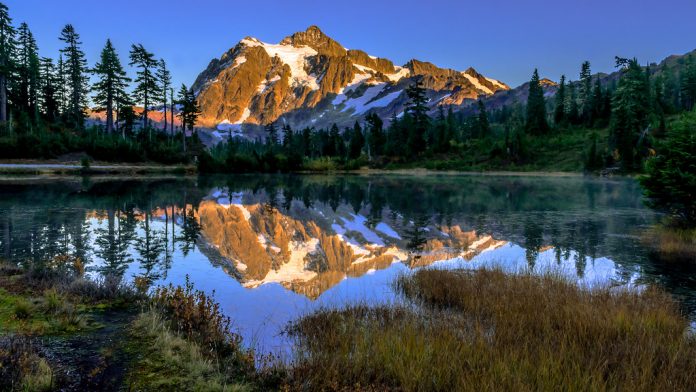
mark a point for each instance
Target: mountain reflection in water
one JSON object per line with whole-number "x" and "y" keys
{"x": 274, "y": 247}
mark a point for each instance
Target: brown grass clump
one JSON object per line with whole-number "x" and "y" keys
{"x": 671, "y": 243}
{"x": 487, "y": 330}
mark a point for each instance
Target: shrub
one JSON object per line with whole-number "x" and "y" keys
{"x": 199, "y": 318}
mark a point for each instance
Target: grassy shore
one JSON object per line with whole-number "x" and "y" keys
{"x": 487, "y": 330}
{"x": 456, "y": 330}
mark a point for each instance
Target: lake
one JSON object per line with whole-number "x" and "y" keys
{"x": 271, "y": 248}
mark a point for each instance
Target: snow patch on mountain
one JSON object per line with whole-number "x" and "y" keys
{"x": 477, "y": 84}
{"x": 294, "y": 57}
{"x": 497, "y": 83}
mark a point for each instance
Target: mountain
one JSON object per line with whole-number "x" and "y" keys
{"x": 309, "y": 79}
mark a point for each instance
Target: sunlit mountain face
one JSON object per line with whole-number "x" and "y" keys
{"x": 274, "y": 247}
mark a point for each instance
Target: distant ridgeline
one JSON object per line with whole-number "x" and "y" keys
{"x": 308, "y": 103}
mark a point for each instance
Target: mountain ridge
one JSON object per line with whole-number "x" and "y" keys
{"x": 309, "y": 79}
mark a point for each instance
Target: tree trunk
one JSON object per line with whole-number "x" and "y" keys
{"x": 110, "y": 114}
{"x": 172, "y": 111}
{"x": 145, "y": 119}
{"x": 165, "y": 113}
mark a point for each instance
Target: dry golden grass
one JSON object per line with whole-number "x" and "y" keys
{"x": 671, "y": 243}
{"x": 487, "y": 330}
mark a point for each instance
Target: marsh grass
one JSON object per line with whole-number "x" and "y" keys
{"x": 671, "y": 243}
{"x": 489, "y": 330}
{"x": 21, "y": 367}
{"x": 168, "y": 361}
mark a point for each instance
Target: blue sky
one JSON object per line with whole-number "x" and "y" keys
{"x": 504, "y": 39}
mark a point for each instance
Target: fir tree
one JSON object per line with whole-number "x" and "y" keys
{"x": 28, "y": 73}
{"x": 49, "y": 82}
{"x": 164, "y": 78}
{"x": 189, "y": 111}
{"x": 287, "y": 136}
{"x": 111, "y": 84}
{"x": 357, "y": 141}
{"x": 375, "y": 138}
{"x": 271, "y": 135}
{"x": 146, "y": 88}
{"x": 418, "y": 115}
{"x": 536, "y": 108}
{"x": 629, "y": 111}
{"x": 585, "y": 92}
{"x": 76, "y": 79}
{"x": 559, "y": 112}
{"x": 7, "y": 47}
{"x": 483, "y": 125}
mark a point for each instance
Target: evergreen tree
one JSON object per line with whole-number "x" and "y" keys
{"x": 335, "y": 143}
{"x": 417, "y": 112}
{"x": 357, "y": 142}
{"x": 62, "y": 80}
{"x": 375, "y": 138}
{"x": 536, "y": 108}
{"x": 190, "y": 111}
{"x": 146, "y": 88}
{"x": 75, "y": 75}
{"x": 271, "y": 135}
{"x": 559, "y": 112}
{"x": 7, "y": 47}
{"x": 629, "y": 111}
{"x": 49, "y": 82}
{"x": 483, "y": 125}
{"x": 688, "y": 84}
{"x": 111, "y": 84}
{"x": 671, "y": 181}
{"x": 164, "y": 78}
{"x": 572, "y": 110}
{"x": 287, "y": 136}
{"x": 28, "y": 84}
{"x": 585, "y": 92}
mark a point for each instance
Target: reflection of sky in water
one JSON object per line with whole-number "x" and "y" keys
{"x": 259, "y": 314}
{"x": 594, "y": 224}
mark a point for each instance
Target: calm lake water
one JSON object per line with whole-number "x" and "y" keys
{"x": 272, "y": 248}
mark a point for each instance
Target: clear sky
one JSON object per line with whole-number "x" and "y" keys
{"x": 503, "y": 39}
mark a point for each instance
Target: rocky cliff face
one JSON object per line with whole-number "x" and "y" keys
{"x": 310, "y": 79}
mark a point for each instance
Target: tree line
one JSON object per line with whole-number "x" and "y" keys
{"x": 44, "y": 101}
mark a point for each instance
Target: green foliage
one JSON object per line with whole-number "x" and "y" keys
{"x": 670, "y": 183}
{"x": 629, "y": 113}
{"x": 536, "y": 123}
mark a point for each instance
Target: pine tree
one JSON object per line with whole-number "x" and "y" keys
{"x": 357, "y": 142}
{"x": 28, "y": 73}
{"x": 164, "y": 78}
{"x": 76, "y": 79}
{"x": 146, "y": 87}
{"x": 334, "y": 145}
{"x": 287, "y": 136}
{"x": 559, "y": 113}
{"x": 271, "y": 135}
{"x": 483, "y": 125}
{"x": 112, "y": 82}
{"x": 375, "y": 138}
{"x": 7, "y": 47}
{"x": 418, "y": 115}
{"x": 536, "y": 108}
{"x": 49, "y": 82}
{"x": 189, "y": 111}
{"x": 586, "y": 92}
{"x": 687, "y": 83}
{"x": 629, "y": 111}
{"x": 62, "y": 85}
